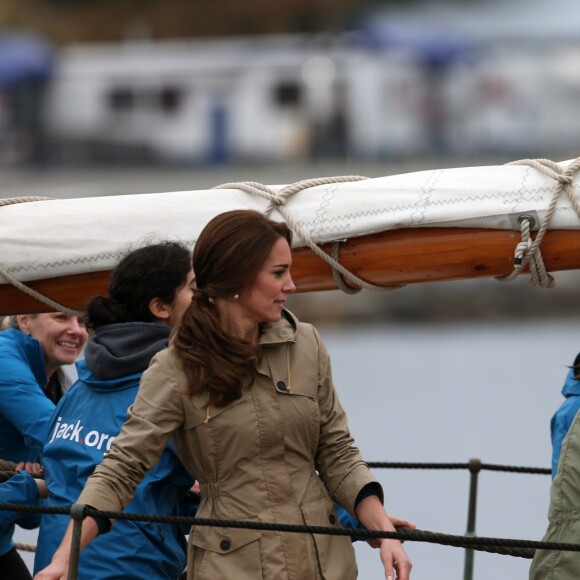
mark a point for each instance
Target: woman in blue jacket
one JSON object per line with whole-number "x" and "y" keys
{"x": 32, "y": 353}
{"x": 564, "y": 416}
{"x": 148, "y": 292}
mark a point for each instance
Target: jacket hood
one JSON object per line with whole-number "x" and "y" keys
{"x": 571, "y": 385}
{"x": 119, "y": 350}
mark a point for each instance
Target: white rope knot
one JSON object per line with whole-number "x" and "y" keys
{"x": 566, "y": 179}
{"x": 532, "y": 257}
{"x": 527, "y": 254}
{"x": 521, "y": 249}
{"x": 277, "y": 200}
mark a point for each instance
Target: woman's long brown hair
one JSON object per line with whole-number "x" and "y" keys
{"x": 227, "y": 257}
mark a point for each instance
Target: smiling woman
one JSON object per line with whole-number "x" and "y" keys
{"x": 61, "y": 337}
{"x": 31, "y": 352}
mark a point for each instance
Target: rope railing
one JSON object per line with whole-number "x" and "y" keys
{"x": 7, "y": 469}
{"x": 505, "y": 546}
{"x": 469, "y": 542}
{"x": 482, "y": 466}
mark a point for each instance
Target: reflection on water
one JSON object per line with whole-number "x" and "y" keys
{"x": 446, "y": 393}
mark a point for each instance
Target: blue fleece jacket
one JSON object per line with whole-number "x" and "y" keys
{"x": 19, "y": 489}
{"x": 86, "y": 421}
{"x": 25, "y": 411}
{"x": 564, "y": 416}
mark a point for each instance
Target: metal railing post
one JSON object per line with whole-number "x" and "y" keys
{"x": 77, "y": 513}
{"x": 474, "y": 469}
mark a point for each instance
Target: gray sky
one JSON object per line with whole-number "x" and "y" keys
{"x": 491, "y": 19}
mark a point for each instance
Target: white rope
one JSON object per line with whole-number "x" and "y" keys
{"x": 13, "y": 200}
{"x": 25, "y": 547}
{"x": 338, "y": 279}
{"x": 278, "y": 201}
{"x": 19, "y": 285}
{"x": 527, "y": 252}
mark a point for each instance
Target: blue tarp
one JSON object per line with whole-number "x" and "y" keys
{"x": 24, "y": 57}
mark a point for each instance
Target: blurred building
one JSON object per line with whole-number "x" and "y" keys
{"x": 430, "y": 79}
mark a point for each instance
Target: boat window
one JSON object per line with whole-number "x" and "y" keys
{"x": 170, "y": 99}
{"x": 121, "y": 99}
{"x": 166, "y": 100}
{"x": 288, "y": 94}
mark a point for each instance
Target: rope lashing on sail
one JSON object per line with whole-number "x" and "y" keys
{"x": 19, "y": 285}
{"x": 278, "y": 201}
{"x": 527, "y": 252}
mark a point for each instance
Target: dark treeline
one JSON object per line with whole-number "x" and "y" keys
{"x": 65, "y": 21}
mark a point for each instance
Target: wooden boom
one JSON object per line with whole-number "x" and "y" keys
{"x": 395, "y": 257}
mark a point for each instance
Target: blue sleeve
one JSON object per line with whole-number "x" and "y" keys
{"x": 19, "y": 489}
{"x": 348, "y": 521}
{"x": 19, "y": 390}
{"x": 560, "y": 425}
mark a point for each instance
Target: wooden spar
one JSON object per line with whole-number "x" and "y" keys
{"x": 395, "y": 257}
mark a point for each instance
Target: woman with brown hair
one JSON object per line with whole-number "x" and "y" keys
{"x": 245, "y": 393}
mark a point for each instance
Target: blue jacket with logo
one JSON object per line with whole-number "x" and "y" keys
{"x": 25, "y": 410}
{"x": 85, "y": 423}
{"x": 564, "y": 416}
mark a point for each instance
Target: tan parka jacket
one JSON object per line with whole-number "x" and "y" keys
{"x": 281, "y": 453}
{"x": 563, "y": 515}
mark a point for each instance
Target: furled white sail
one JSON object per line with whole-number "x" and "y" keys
{"x": 45, "y": 239}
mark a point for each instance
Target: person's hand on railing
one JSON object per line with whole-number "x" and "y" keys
{"x": 59, "y": 565}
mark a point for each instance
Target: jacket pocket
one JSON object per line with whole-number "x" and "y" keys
{"x": 225, "y": 553}
{"x": 335, "y": 554}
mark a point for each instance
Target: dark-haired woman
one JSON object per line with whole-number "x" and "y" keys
{"x": 148, "y": 292}
{"x": 245, "y": 393}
